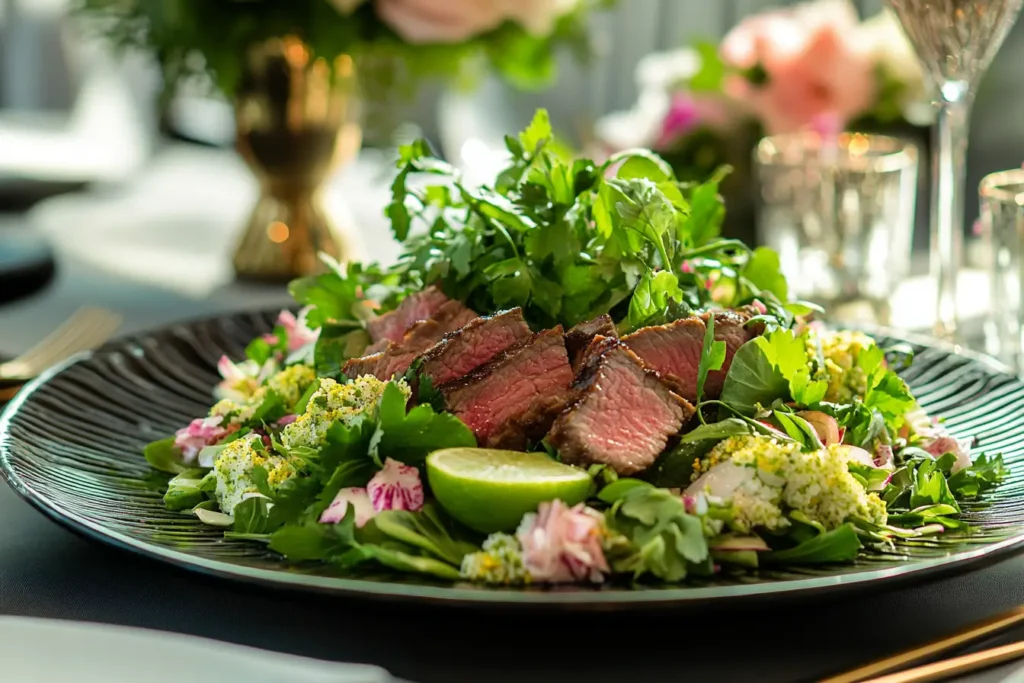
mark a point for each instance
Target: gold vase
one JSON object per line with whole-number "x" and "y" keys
{"x": 297, "y": 119}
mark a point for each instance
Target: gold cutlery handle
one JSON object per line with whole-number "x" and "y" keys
{"x": 924, "y": 652}
{"x": 938, "y": 671}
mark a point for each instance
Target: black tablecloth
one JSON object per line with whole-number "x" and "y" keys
{"x": 46, "y": 571}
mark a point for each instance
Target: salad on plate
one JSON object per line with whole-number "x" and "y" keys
{"x": 567, "y": 377}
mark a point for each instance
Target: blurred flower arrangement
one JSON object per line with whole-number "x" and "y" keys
{"x": 429, "y": 37}
{"x": 811, "y": 65}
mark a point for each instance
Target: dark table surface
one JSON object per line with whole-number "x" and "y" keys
{"x": 47, "y": 571}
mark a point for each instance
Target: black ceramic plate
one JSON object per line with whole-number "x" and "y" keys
{"x": 71, "y": 441}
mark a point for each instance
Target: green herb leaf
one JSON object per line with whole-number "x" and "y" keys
{"x": 839, "y": 545}
{"x": 252, "y": 516}
{"x": 429, "y": 530}
{"x": 165, "y": 456}
{"x": 618, "y": 488}
{"x": 314, "y": 541}
{"x": 184, "y": 491}
{"x": 409, "y": 438}
{"x": 712, "y": 357}
{"x": 717, "y": 431}
{"x": 674, "y": 468}
{"x": 763, "y": 271}
{"x": 666, "y": 541}
{"x": 753, "y": 379}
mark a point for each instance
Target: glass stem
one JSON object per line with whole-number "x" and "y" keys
{"x": 949, "y": 186}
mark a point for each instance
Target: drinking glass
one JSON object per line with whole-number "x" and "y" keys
{"x": 840, "y": 213}
{"x": 1002, "y": 222}
{"x": 955, "y": 40}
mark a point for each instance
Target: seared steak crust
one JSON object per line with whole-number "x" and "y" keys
{"x": 463, "y": 350}
{"x": 578, "y": 338}
{"x": 517, "y": 394}
{"x": 425, "y": 305}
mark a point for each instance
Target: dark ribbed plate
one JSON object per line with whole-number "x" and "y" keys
{"x": 71, "y": 442}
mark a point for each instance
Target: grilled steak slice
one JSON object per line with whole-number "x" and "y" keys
{"x": 395, "y": 358}
{"x": 674, "y": 350}
{"x": 623, "y": 414}
{"x": 464, "y": 350}
{"x": 515, "y": 396}
{"x": 578, "y": 338}
{"x": 423, "y": 305}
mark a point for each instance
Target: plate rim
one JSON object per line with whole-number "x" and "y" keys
{"x": 683, "y": 596}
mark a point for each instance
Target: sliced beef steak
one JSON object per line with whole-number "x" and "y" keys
{"x": 425, "y": 305}
{"x": 623, "y": 414}
{"x": 516, "y": 396}
{"x": 467, "y": 348}
{"x": 578, "y": 338}
{"x": 674, "y": 350}
{"x": 395, "y": 358}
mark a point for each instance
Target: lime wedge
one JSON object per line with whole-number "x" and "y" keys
{"x": 490, "y": 490}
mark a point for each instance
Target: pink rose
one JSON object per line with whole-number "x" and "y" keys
{"x": 199, "y": 433}
{"x": 297, "y": 331}
{"x": 563, "y": 544}
{"x": 816, "y": 73}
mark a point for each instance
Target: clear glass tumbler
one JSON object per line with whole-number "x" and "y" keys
{"x": 840, "y": 213}
{"x": 1002, "y": 223}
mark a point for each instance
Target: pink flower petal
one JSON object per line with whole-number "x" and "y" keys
{"x": 396, "y": 487}
{"x": 354, "y": 497}
{"x": 199, "y": 433}
{"x": 562, "y": 544}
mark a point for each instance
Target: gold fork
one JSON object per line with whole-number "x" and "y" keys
{"x": 86, "y": 329}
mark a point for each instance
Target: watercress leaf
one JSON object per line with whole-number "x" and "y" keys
{"x": 184, "y": 491}
{"x": 252, "y": 516}
{"x": 752, "y": 379}
{"x": 716, "y": 431}
{"x": 406, "y": 562}
{"x": 930, "y": 487}
{"x": 165, "y": 456}
{"x": 618, "y": 488}
{"x": 983, "y": 474}
{"x": 409, "y": 438}
{"x": 712, "y": 356}
{"x": 270, "y": 409}
{"x": 427, "y": 530}
{"x": 397, "y": 211}
{"x": 674, "y": 468}
{"x": 259, "y": 478}
{"x": 641, "y": 163}
{"x": 804, "y": 391}
{"x": 763, "y": 270}
{"x": 311, "y": 540}
{"x": 667, "y": 542}
{"x": 259, "y": 350}
{"x": 707, "y": 213}
{"x": 839, "y": 545}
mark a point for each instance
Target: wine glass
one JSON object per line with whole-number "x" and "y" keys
{"x": 955, "y": 40}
